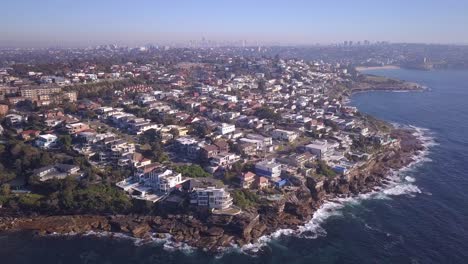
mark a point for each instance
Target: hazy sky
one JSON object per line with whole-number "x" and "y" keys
{"x": 84, "y": 22}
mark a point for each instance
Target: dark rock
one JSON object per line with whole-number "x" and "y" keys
{"x": 214, "y": 231}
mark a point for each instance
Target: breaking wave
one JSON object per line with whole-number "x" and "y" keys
{"x": 398, "y": 183}
{"x": 165, "y": 240}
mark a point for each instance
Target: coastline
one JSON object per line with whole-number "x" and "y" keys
{"x": 298, "y": 213}
{"x": 386, "y": 67}
{"x": 301, "y": 212}
{"x": 368, "y": 82}
{"x": 389, "y": 90}
{"x": 394, "y": 185}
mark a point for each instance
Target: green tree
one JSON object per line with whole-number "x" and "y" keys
{"x": 66, "y": 141}
{"x": 5, "y": 189}
{"x": 5, "y": 176}
{"x": 192, "y": 171}
{"x": 174, "y": 132}
{"x": 70, "y": 108}
{"x": 324, "y": 169}
{"x": 244, "y": 198}
{"x": 267, "y": 113}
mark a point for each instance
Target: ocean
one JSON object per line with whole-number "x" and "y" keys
{"x": 421, "y": 216}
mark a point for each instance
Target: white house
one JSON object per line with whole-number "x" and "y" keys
{"x": 164, "y": 181}
{"x": 46, "y": 141}
{"x": 224, "y": 159}
{"x": 320, "y": 148}
{"x": 58, "y": 171}
{"x": 268, "y": 168}
{"x": 280, "y": 134}
{"x": 14, "y": 119}
{"x": 226, "y": 128}
{"x": 261, "y": 142}
{"x": 212, "y": 197}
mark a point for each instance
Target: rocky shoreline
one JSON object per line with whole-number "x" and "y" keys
{"x": 211, "y": 232}
{"x": 367, "y": 83}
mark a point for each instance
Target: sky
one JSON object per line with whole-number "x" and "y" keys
{"x": 34, "y": 23}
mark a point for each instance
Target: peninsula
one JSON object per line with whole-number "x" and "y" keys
{"x": 198, "y": 146}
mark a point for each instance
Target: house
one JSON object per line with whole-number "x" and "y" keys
{"x": 212, "y": 198}
{"x": 248, "y": 149}
{"x": 320, "y": 148}
{"x": 208, "y": 151}
{"x": 364, "y": 131}
{"x": 261, "y": 182}
{"x": 181, "y": 130}
{"x": 14, "y": 119}
{"x": 225, "y": 128}
{"x": 3, "y": 109}
{"x": 144, "y": 99}
{"x": 53, "y": 113}
{"x": 298, "y": 160}
{"x": 116, "y": 150}
{"x": 29, "y": 134}
{"x": 187, "y": 147}
{"x": 268, "y": 168}
{"x": 340, "y": 169}
{"x": 134, "y": 160}
{"x": 281, "y": 183}
{"x": 222, "y": 145}
{"x": 76, "y": 128}
{"x": 46, "y": 141}
{"x": 142, "y": 184}
{"x": 191, "y": 184}
{"x": 58, "y": 171}
{"x": 246, "y": 180}
{"x": 284, "y": 135}
{"x": 139, "y": 160}
{"x": 146, "y": 171}
{"x": 224, "y": 160}
{"x": 87, "y": 137}
{"x": 140, "y": 128}
{"x": 261, "y": 143}
{"x": 163, "y": 180}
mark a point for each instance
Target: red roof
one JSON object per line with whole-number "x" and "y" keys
{"x": 29, "y": 132}
{"x": 262, "y": 179}
{"x": 247, "y": 175}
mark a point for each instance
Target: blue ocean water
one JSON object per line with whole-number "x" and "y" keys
{"x": 422, "y": 217}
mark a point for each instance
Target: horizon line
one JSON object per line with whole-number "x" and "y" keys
{"x": 228, "y": 44}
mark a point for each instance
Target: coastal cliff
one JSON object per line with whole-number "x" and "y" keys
{"x": 367, "y": 82}
{"x": 209, "y": 231}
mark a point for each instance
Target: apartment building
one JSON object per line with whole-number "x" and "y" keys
{"x": 212, "y": 197}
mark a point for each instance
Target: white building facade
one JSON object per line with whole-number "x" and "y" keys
{"x": 284, "y": 135}
{"x": 212, "y": 197}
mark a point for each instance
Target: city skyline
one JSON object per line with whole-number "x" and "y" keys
{"x": 85, "y": 23}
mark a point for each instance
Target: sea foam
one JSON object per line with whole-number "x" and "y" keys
{"x": 398, "y": 183}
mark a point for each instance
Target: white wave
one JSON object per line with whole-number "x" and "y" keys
{"x": 425, "y": 135}
{"x": 375, "y": 229}
{"x": 401, "y": 189}
{"x": 166, "y": 242}
{"x": 410, "y": 179}
{"x": 398, "y": 183}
